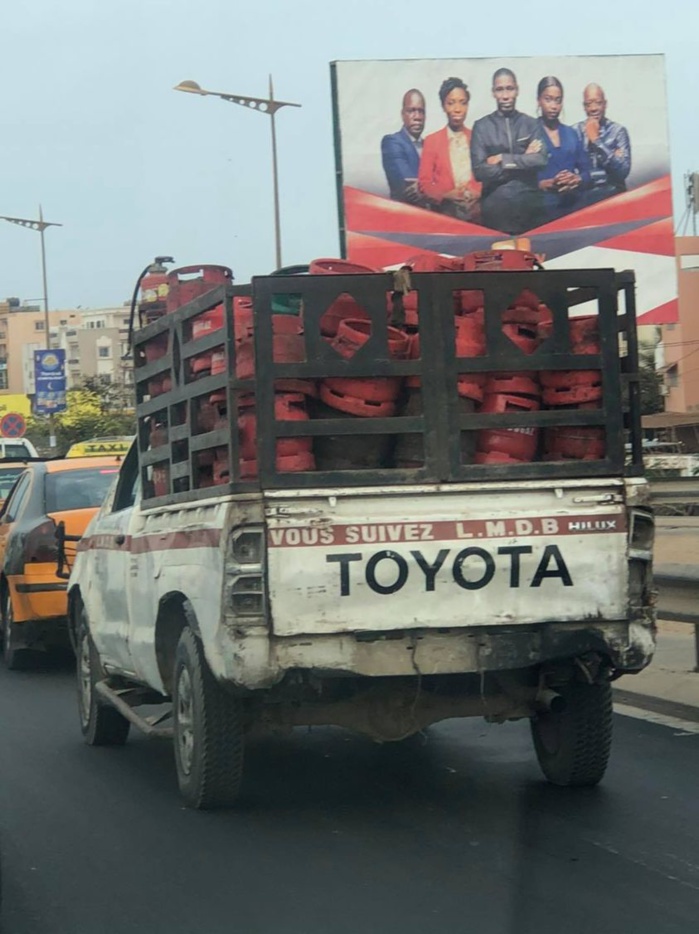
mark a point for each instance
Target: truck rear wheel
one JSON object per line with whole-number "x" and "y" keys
{"x": 101, "y": 725}
{"x": 573, "y": 746}
{"x": 209, "y": 735}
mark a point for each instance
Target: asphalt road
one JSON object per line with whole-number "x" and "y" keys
{"x": 338, "y": 836}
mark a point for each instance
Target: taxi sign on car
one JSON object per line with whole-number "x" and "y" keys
{"x": 101, "y": 447}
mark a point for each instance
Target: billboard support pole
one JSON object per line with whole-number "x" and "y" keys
{"x": 338, "y": 160}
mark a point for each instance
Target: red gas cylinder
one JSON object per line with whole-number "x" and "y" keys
{"x": 470, "y": 342}
{"x": 574, "y": 443}
{"x": 435, "y": 262}
{"x": 155, "y": 348}
{"x": 288, "y": 346}
{"x": 158, "y": 435}
{"x": 583, "y": 331}
{"x": 288, "y": 407}
{"x": 154, "y": 288}
{"x": 571, "y": 387}
{"x": 520, "y": 322}
{"x": 364, "y": 396}
{"x": 161, "y": 479}
{"x": 497, "y": 457}
{"x": 344, "y": 306}
{"x": 292, "y": 454}
{"x": 243, "y": 317}
{"x": 519, "y": 443}
{"x": 468, "y": 302}
{"x": 513, "y": 384}
{"x": 188, "y": 282}
{"x": 159, "y": 385}
{"x": 584, "y": 334}
{"x": 206, "y": 416}
{"x": 515, "y": 260}
{"x": 203, "y": 325}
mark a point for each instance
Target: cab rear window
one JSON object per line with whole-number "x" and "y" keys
{"x": 78, "y": 489}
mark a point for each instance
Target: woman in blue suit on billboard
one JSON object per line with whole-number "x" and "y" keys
{"x": 566, "y": 175}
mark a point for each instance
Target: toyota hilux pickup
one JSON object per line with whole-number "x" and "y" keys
{"x": 275, "y": 555}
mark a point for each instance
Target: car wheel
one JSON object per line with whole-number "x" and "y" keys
{"x": 573, "y": 745}
{"x": 101, "y": 724}
{"x": 208, "y": 728}
{"x": 16, "y": 659}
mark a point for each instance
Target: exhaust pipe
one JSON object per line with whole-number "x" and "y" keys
{"x": 549, "y": 701}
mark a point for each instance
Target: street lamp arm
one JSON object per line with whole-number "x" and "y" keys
{"x": 32, "y": 225}
{"x": 266, "y": 105}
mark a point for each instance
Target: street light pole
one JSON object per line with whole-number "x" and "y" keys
{"x": 41, "y": 226}
{"x": 275, "y": 177}
{"x": 267, "y": 105}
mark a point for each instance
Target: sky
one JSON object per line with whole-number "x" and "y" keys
{"x": 91, "y": 129}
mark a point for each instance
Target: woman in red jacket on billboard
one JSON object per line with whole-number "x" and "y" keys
{"x": 446, "y": 175}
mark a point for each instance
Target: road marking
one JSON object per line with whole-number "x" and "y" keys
{"x": 685, "y": 727}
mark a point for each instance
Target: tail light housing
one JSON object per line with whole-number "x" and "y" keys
{"x": 245, "y": 566}
{"x": 40, "y": 544}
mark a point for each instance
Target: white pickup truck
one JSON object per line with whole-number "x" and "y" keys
{"x": 383, "y": 607}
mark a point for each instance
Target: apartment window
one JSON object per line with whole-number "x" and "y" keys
{"x": 39, "y": 325}
{"x": 104, "y": 351}
{"x": 3, "y": 379}
{"x": 672, "y": 377}
{"x": 63, "y": 322}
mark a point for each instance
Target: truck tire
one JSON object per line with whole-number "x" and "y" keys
{"x": 16, "y": 659}
{"x": 573, "y": 746}
{"x": 101, "y": 724}
{"x": 208, "y": 727}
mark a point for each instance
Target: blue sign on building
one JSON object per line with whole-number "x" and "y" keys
{"x": 49, "y": 381}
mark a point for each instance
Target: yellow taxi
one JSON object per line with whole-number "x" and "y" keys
{"x": 32, "y": 595}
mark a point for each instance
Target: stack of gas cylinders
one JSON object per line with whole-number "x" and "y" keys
{"x": 346, "y": 327}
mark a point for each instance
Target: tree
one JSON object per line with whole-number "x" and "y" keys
{"x": 650, "y": 381}
{"x": 95, "y": 409}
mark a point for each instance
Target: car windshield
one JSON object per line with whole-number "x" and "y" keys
{"x": 8, "y": 475}
{"x": 15, "y": 450}
{"x": 77, "y": 489}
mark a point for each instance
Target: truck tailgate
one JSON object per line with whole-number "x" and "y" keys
{"x": 533, "y": 552}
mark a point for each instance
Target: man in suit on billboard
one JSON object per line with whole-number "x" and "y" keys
{"x": 400, "y": 152}
{"x": 507, "y": 154}
{"x": 607, "y": 144}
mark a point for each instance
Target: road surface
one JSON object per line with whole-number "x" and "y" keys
{"x": 456, "y": 833}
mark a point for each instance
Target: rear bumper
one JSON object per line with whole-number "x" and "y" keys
{"x": 41, "y": 633}
{"x": 34, "y": 598}
{"x": 261, "y": 661}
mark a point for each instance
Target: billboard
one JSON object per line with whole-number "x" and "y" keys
{"x": 568, "y": 156}
{"x": 49, "y": 381}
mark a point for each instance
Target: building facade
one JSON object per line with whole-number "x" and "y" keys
{"x": 95, "y": 343}
{"x": 679, "y": 351}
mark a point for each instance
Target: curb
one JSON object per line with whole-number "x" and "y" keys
{"x": 656, "y": 705}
